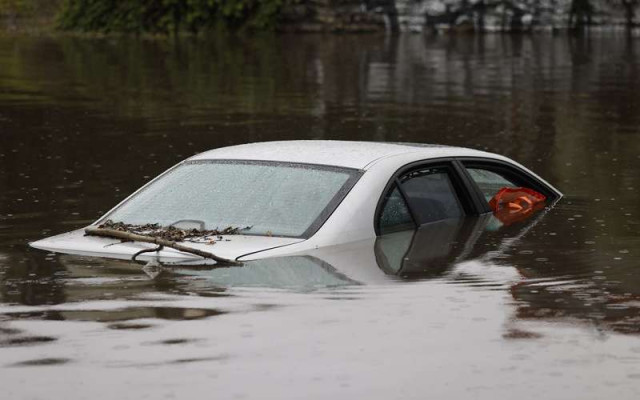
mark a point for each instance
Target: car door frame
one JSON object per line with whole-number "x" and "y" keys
{"x": 469, "y": 194}
{"x": 469, "y": 202}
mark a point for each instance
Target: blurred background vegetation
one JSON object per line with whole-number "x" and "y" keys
{"x": 167, "y": 16}
{"x": 193, "y": 16}
{"x": 141, "y": 16}
{"x": 28, "y": 15}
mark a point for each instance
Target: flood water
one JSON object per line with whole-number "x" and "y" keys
{"x": 549, "y": 308}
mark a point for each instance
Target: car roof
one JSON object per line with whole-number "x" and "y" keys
{"x": 350, "y": 154}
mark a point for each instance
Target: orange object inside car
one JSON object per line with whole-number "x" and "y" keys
{"x": 511, "y": 205}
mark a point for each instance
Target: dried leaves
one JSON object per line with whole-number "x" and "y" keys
{"x": 171, "y": 232}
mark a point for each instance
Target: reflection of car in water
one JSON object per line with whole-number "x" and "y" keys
{"x": 471, "y": 251}
{"x": 285, "y": 198}
{"x": 432, "y": 251}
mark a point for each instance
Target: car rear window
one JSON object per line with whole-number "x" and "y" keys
{"x": 267, "y": 198}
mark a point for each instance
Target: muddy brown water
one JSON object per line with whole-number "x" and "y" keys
{"x": 549, "y": 308}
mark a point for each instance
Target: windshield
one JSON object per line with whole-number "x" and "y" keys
{"x": 267, "y": 198}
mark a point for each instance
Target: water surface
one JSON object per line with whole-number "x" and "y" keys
{"x": 549, "y": 308}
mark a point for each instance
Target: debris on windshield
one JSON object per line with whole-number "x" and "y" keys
{"x": 115, "y": 233}
{"x": 172, "y": 233}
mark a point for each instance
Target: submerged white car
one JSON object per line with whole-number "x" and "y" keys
{"x": 284, "y": 198}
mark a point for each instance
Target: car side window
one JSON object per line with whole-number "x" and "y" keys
{"x": 489, "y": 182}
{"x": 395, "y": 215}
{"x": 431, "y": 194}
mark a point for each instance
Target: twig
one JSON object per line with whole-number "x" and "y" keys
{"x": 112, "y": 233}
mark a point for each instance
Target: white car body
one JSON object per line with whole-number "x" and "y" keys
{"x": 352, "y": 220}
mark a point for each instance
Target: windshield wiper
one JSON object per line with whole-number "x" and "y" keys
{"x": 116, "y": 234}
